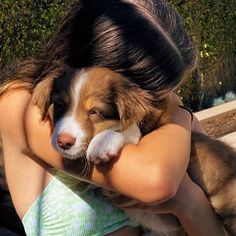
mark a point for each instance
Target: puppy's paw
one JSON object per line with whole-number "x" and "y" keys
{"x": 104, "y": 146}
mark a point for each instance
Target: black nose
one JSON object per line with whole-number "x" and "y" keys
{"x": 65, "y": 141}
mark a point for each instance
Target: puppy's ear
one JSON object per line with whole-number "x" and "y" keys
{"x": 41, "y": 97}
{"x": 133, "y": 103}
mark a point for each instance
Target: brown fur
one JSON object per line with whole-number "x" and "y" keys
{"x": 212, "y": 163}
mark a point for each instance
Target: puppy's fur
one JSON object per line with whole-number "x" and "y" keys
{"x": 97, "y": 111}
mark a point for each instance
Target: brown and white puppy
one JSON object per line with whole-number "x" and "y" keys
{"x": 82, "y": 103}
{"x": 97, "y": 111}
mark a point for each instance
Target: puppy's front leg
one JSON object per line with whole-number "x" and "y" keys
{"x": 107, "y": 144}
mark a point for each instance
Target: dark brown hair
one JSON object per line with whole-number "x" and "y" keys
{"x": 142, "y": 39}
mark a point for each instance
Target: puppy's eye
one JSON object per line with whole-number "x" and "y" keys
{"x": 59, "y": 100}
{"x": 59, "y": 107}
{"x": 94, "y": 112}
{"x": 95, "y": 115}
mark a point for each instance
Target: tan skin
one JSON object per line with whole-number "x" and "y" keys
{"x": 159, "y": 177}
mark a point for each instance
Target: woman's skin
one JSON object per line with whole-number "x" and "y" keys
{"x": 155, "y": 168}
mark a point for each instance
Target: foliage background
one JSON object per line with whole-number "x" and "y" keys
{"x": 26, "y": 25}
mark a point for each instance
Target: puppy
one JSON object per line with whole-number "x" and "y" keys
{"x": 82, "y": 104}
{"x": 96, "y": 111}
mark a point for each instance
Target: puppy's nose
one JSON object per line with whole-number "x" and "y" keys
{"x": 65, "y": 141}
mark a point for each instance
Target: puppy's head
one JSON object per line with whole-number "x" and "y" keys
{"x": 83, "y": 103}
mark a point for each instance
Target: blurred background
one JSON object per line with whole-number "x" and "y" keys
{"x": 26, "y": 26}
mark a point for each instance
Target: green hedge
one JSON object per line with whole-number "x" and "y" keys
{"x": 26, "y": 26}
{"x": 212, "y": 25}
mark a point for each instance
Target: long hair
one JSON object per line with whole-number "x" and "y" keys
{"x": 142, "y": 39}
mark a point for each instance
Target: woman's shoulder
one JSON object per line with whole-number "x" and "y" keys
{"x": 13, "y": 104}
{"x": 22, "y": 125}
{"x": 20, "y": 120}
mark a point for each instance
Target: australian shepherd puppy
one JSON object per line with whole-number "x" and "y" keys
{"x": 96, "y": 111}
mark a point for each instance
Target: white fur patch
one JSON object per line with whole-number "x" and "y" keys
{"x": 132, "y": 134}
{"x": 107, "y": 144}
{"x": 68, "y": 124}
{"x": 76, "y": 89}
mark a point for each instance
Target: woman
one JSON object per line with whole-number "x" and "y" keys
{"x": 145, "y": 41}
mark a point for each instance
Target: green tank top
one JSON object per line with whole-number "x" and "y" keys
{"x": 61, "y": 211}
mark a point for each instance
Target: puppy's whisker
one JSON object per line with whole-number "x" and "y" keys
{"x": 86, "y": 167}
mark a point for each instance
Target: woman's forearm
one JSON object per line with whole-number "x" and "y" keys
{"x": 201, "y": 220}
{"x": 132, "y": 175}
{"x": 194, "y": 211}
{"x": 152, "y": 170}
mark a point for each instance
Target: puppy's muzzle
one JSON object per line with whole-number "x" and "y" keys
{"x": 65, "y": 141}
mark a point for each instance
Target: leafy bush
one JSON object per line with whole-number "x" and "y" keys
{"x": 212, "y": 25}
{"x": 25, "y": 27}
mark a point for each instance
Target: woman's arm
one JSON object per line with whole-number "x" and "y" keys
{"x": 199, "y": 219}
{"x": 150, "y": 171}
{"x": 193, "y": 209}
{"x": 27, "y": 130}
